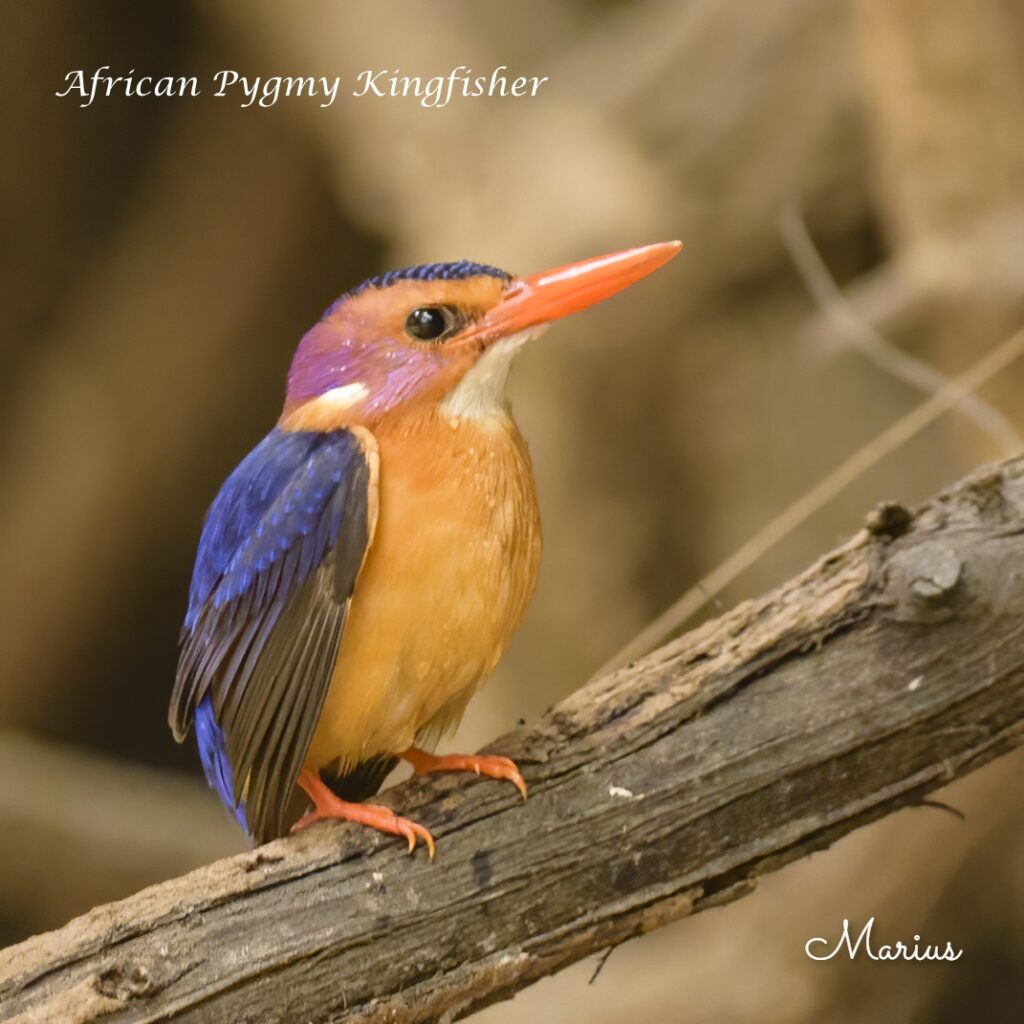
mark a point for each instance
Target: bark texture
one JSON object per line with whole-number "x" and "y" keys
{"x": 890, "y": 667}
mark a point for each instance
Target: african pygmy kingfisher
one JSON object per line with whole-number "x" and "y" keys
{"x": 363, "y": 568}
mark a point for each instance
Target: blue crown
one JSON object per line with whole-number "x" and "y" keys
{"x": 454, "y": 271}
{"x": 433, "y": 272}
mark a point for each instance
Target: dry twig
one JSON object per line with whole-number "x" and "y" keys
{"x": 793, "y": 516}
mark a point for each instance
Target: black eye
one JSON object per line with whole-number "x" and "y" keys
{"x": 428, "y": 322}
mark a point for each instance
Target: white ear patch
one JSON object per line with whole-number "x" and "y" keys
{"x": 480, "y": 395}
{"x": 343, "y": 397}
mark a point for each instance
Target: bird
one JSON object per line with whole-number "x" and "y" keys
{"x": 363, "y": 568}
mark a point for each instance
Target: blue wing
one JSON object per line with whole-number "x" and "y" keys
{"x": 279, "y": 554}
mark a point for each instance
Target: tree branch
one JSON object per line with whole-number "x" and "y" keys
{"x": 887, "y": 669}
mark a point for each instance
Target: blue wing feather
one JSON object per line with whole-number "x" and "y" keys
{"x": 274, "y": 496}
{"x": 214, "y": 757}
{"x": 277, "y": 559}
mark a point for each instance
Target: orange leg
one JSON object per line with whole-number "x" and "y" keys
{"x": 327, "y": 807}
{"x": 483, "y": 764}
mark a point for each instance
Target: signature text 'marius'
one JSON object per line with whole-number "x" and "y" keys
{"x": 825, "y": 949}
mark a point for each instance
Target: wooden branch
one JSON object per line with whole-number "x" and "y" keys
{"x": 890, "y": 667}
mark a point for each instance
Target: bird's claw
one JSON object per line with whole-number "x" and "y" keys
{"x": 394, "y": 825}
{"x": 413, "y": 831}
{"x": 496, "y": 767}
{"x": 492, "y": 765}
{"x": 328, "y": 807}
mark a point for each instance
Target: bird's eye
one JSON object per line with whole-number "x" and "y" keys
{"x": 428, "y": 323}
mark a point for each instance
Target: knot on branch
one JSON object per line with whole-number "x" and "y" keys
{"x": 926, "y": 580}
{"x": 124, "y": 982}
{"x": 888, "y": 520}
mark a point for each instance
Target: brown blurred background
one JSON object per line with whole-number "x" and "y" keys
{"x": 162, "y": 257}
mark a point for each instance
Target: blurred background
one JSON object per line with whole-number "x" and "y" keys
{"x": 849, "y": 180}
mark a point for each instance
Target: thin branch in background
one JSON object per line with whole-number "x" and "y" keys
{"x": 874, "y": 346}
{"x": 812, "y": 501}
{"x": 940, "y": 805}
{"x": 601, "y": 961}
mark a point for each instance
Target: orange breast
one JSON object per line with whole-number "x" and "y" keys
{"x": 452, "y": 567}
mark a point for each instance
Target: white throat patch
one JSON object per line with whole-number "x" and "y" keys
{"x": 480, "y": 395}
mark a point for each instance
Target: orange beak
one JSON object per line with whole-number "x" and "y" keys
{"x": 551, "y": 294}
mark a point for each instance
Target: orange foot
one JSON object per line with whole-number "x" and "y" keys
{"x": 328, "y": 807}
{"x": 483, "y": 764}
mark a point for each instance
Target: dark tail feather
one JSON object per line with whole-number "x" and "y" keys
{"x": 361, "y": 782}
